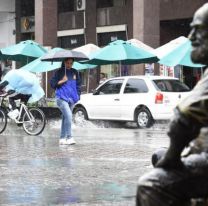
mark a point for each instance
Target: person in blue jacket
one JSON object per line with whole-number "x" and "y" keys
{"x": 67, "y": 84}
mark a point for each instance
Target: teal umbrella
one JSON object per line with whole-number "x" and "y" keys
{"x": 121, "y": 52}
{"x": 43, "y": 66}
{"x": 79, "y": 66}
{"x": 25, "y": 51}
{"x": 176, "y": 52}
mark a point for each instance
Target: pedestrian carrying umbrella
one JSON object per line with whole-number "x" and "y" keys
{"x": 63, "y": 54}
{"x": 25, "y": 51}
{"x": 43, "y": 66}
{"x": 121, "y": 52}
{"x": 176, "y": 52}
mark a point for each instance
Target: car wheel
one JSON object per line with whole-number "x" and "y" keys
{"x": 144, "y": 118}
{"x": 80, "y": 115}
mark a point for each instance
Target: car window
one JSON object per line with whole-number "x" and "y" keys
{"x": 170, "y": 85}
{"x": 111, "y": 87}
{"x": 134, "y": 85}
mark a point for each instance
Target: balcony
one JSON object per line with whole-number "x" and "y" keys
{"x": 111, "y": 16}
{"x": 70, "y": 20}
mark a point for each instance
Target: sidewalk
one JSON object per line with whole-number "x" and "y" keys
{"x": 101, "y": 169}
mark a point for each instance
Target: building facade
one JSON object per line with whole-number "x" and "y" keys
{"x": 73, "y": 23}
{"x": 7, "y": 27}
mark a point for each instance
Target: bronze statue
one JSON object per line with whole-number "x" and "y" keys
{"x": 176, "y": 179}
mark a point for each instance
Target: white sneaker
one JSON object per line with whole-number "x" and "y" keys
{"x": 71, "y": 141}
{"x": 63, "y": 141}
{"x": 13, "y": 114}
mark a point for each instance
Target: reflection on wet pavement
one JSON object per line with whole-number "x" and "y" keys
{"x": 101, "y": 169}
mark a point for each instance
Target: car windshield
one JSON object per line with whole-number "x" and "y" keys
{"x": 170, "y": 85}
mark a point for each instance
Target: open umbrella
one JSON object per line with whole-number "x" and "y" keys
{"x": 88, "y": 50}
{"x": 43, "y": 66}
{"x": 121, "y": 52}
{"x": 140, "y": 44}
{"x": 176, "y": 52}
{"x": 63, "y": 54}
{"x": 25, "y": 51}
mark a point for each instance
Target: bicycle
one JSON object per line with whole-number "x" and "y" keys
{"x": 32, "y": 119}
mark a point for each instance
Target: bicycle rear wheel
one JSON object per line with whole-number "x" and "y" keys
{"x": 34, "y": 121}
{"x": 3, "y": 120}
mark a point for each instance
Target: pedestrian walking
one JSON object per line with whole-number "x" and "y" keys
{"x": 66, "y": 82}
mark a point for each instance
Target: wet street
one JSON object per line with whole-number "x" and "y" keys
{"x": 101, "y": 169}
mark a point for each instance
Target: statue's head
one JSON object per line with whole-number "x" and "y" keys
{"x": 199, "y": 35}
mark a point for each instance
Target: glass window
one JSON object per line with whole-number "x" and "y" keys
{"x": 111, "y": 87}
{"x": 104, "y": 3}
{"x": 110, "y": 3}
{"x": 171, "y": 85}
{"x": 66, "y": 6}
{"x": 135, "y": 86}
{"x": 27, "y": 8}
{"x": 70, "y": 42}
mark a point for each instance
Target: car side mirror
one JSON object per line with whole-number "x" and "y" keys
{"x": 95, "y": 92}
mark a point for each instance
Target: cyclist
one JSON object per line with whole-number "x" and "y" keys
{"x": 23, "y": 85}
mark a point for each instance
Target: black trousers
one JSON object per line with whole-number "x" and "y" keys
{"x": 23, "y": 97}
{"x": 162, "y": 187}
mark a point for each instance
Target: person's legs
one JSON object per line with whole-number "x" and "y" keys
{"x": 175, "y": 187}
{"x": 66, "y": 118}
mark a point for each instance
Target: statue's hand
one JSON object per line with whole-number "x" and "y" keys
{"x": 170, "y": 163}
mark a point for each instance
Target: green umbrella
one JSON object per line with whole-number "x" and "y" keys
{"x": 40, "y": 66}
{"x": 79, "y": 66}
{"x": 121, "y": 52}
{"x": 25, "y": 51}
{"x": 176, "y": 52}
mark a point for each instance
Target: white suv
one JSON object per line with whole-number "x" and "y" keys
{"x": 142, "y": 99}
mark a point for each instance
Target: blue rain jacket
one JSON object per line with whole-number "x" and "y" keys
{"x": 70, "y": 90}
{"x": 24, "y": 82}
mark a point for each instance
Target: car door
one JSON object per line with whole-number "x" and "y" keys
{"x": 106, "y": 100}
{"x": 135, "y": 92}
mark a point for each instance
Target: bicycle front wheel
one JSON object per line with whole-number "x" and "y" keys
{"x": 3, "y": 120}
{"x": 34, "y": 121}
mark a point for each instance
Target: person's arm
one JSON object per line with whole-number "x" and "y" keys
{"x": 3, "y": 84}
{"x": 182, "y": 130}
{"x": 78, "y": 81}
{"x": 57, "y": 81}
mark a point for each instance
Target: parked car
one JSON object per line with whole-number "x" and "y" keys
{"x": 142, "y": 99}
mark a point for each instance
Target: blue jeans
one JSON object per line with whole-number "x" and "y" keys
{"x": 66, "y": 118}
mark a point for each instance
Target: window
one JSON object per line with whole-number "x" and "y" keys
{"x": 135, "y": 86}
{"x": 104, "y": 3}
{"x": 111, "y": 87}
{"x": 27, "y": 8}
{"x": 171, "y": 85}
{"x": 66, "y": 6}
{"x": 70, "y": 42}
{"x": 110, "y": 3}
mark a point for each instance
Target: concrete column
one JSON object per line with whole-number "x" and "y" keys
{"x": 46, "y": 22}
{"x": 146, "y": 25}
{"x": 91, "y": 37}
{"x": 46, "y": 32}
{"x": 91, "y": 21}
{"x": 129, "y": 11}
{"x": 18, "y": 16}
